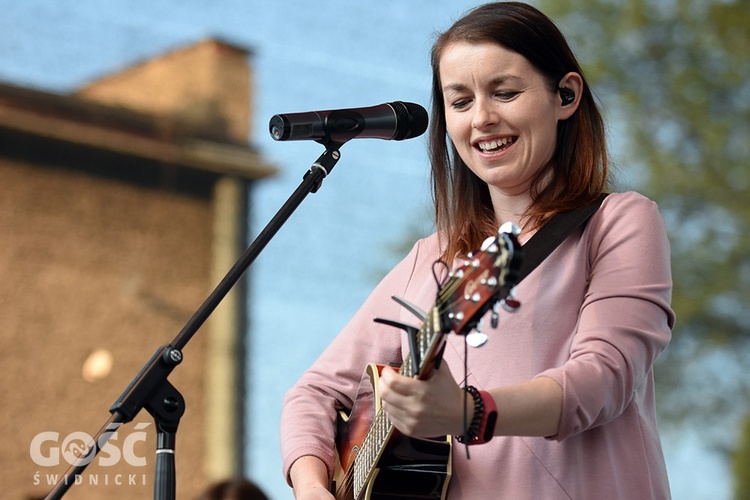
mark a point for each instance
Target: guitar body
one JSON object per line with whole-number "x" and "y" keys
{"x": 407, "y": 468}
{"x": 375, "y": 461}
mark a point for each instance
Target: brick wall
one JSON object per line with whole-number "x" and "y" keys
{"x": 105, "y": 253}
{"x": 93, "y": 263}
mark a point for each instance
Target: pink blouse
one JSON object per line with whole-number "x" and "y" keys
{"x": 594, "y": 317}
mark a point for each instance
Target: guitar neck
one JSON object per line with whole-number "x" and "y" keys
{"x": 482, "y": 281}
{"x": 428, "y": 341}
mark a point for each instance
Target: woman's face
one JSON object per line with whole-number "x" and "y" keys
{"x": 500, "y": 114}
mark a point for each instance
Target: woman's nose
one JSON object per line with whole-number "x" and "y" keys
{"x": 484, "y": 114}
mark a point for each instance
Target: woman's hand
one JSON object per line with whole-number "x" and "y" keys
{"x": 434, "y": 407}
{"x": 424, "y": 408}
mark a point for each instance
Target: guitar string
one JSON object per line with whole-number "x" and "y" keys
{"x": 381, "y": 420}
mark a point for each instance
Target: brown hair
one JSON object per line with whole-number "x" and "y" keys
{"x": 463, "y": 208}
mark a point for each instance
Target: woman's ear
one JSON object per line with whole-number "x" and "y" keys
{"x": 569, "y": 92}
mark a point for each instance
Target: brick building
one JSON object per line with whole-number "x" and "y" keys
{"x": 121, "y": 208}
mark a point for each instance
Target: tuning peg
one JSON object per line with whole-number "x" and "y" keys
{"x": 510, "y": 303}
{"x": 416, "y": 311}
{"x": 495, "y": 317}
{"x": 490, "y": 244}
{"x": 510, "y": 228}
{"x": 477, "y": 337}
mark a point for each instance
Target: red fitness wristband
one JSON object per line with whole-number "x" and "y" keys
{"x": 489, "y": 419}
{"x": 482, "y": 426}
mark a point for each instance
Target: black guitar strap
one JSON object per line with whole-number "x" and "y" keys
{"x": 554, "y": 232}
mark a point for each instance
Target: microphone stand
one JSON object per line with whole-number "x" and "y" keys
{"x": 150, "y": 389}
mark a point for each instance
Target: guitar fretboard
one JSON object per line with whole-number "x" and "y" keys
{"x": 462, "y": 299}
{"x": 382, "y": 428}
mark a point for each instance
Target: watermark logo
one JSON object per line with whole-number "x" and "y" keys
{"x": 48, "y": 450}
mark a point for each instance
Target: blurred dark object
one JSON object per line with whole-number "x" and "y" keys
{"x": 233, "y": 489}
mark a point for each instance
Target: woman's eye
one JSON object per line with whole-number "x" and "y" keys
{"x": 460, "y": 104}
{"x": 506, "y": 96}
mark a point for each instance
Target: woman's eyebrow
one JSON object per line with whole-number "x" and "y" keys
{"x": 498, "y": 80}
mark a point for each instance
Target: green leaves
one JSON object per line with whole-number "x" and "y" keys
{"x": 676, "y": 75}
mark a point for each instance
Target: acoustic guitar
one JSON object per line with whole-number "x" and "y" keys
{"x": 375, "y": 461}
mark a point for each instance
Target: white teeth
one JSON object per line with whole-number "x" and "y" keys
{"x": 498, "y": 143}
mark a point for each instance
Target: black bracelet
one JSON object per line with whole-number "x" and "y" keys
{"x": 472, "y": 431}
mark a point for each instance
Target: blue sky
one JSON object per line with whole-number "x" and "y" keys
{"x": 306, "y": 56}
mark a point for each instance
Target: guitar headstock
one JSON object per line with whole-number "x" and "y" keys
{"x": 485, "y": 278}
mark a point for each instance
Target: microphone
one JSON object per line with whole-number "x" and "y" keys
{"x": 390, "y": 121}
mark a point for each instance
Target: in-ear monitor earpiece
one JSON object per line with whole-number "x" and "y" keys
{"x": 567, "y": 96}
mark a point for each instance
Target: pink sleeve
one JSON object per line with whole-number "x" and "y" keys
{"x": 309, "y": 413}
{"x": 626, "y": 319}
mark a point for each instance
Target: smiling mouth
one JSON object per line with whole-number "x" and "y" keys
{"x": 496, "y": 145}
